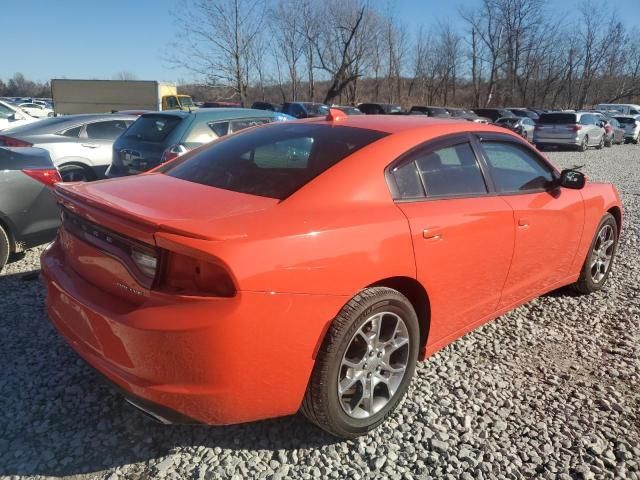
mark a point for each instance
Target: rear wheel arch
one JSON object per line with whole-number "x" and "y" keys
{"x": 617, "y": 214}
{"x": 417, "y": 296}
{"x": 88, "y": 169}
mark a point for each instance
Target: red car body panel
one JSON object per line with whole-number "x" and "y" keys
{"x": 294, "y": 264}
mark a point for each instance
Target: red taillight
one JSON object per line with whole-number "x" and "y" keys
{"x": 48, "y": 176}
{"x": 575, "y": 128}
{"x": 183, "y": 275}
{"x": 537, "y": 127}
{"x": 14, "y": 142}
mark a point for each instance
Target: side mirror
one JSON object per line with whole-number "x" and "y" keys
{"x": 572, "y": 179}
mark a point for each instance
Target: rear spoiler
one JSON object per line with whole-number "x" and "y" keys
{"x": 70, "y": 199}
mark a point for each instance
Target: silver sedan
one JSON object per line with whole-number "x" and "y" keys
{"x": 80, "y": 145}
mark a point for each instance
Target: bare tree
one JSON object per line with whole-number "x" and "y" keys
{"x": 219, "y": 42}
{"x": 341, "y": 46}
{"x": 289, "y": 39}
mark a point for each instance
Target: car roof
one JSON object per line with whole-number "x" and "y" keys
{"x": 223, "y": 113}
{"x": 55, "y": 124}
{"x": 405, "y": 123}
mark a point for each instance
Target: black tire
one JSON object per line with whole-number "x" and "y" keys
{"x": 586, "y": 283}
{"x": 322, "y": 403}
{"x": 585, "y": 143}
{"x": 76, "y": 173}
{"x": 5, "y": 248}
{"x": 601, "y": 144}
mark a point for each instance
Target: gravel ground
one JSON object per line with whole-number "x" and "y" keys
{"x": 549, "y": 390}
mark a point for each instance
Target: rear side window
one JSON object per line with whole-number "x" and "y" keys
{"x": 237, "y": 125}
{"x": 274, "y": 161}
{"x": 72, "y": 132}
{"x": 448, "y": 171}
{"x": 153, "y": 128}
{"x": 557, "y": 118}
{"x": 514, "y": 169}
{"x": 109, "y": 130}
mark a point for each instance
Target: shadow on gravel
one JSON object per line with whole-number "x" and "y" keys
{"x": 563, "y": 292}
{"x": 60, "y": 418}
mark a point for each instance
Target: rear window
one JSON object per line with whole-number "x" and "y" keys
{"x": 153, "y": 128}
{"x": 274, "y": 161}
{"x": 557, "y": 118}
{"x": 625, "y": 120}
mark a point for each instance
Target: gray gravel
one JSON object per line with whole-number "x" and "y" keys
{"x": 549, "y": 390}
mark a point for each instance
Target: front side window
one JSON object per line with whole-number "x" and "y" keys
{"x": 274, "y": 161}
{"x": 448, "y": 171}
{"x": 514, "y": 169}
{"x": 172, "y": 102}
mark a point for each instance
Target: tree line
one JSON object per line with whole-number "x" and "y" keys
{"x": 500, "y": 52}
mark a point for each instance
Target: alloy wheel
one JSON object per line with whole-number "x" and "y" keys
{"x": 73, "y": 174}
{"x": 373, "y": 365}
{"x": 602, "y": 253}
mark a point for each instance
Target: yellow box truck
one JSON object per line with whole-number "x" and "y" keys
{"x": 100, "y": 96}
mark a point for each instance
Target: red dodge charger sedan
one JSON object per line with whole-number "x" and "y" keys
{"x": 309, "y": 265}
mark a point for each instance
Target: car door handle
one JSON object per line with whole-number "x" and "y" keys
{"x": 90, "y": 145}
{"x": 432, "y": 233}
{"x": 523, "y": 222}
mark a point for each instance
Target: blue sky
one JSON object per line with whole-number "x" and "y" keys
{"x": 46, "y": 39}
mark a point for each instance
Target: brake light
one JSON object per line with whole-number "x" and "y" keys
{"x": 537, "y": 127}
{"x": 575, "y": 128}
{"x": 47, "y": 176}
{"x": 174, "y": 151}
{"x": 185, "y": 275}
{"x": 14, "y": 142}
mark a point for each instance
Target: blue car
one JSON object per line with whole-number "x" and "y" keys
{"x": 158, "y": 137}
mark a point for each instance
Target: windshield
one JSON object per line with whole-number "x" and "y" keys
{"x": 153, "y": 128}
{"x": 186, "y": 101}
{"x": 508, "y": 120}
{"x": 272, "y": 161}
{"x": 557, "y": 118}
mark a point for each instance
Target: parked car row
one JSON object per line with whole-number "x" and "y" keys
{"x": 87, "y": 147}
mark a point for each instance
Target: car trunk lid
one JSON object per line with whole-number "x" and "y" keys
{"x": 111, "y": 228}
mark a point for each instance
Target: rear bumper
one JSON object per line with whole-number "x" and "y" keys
{"x": 573, "y": 141}
{"x": 216, "y": 361}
